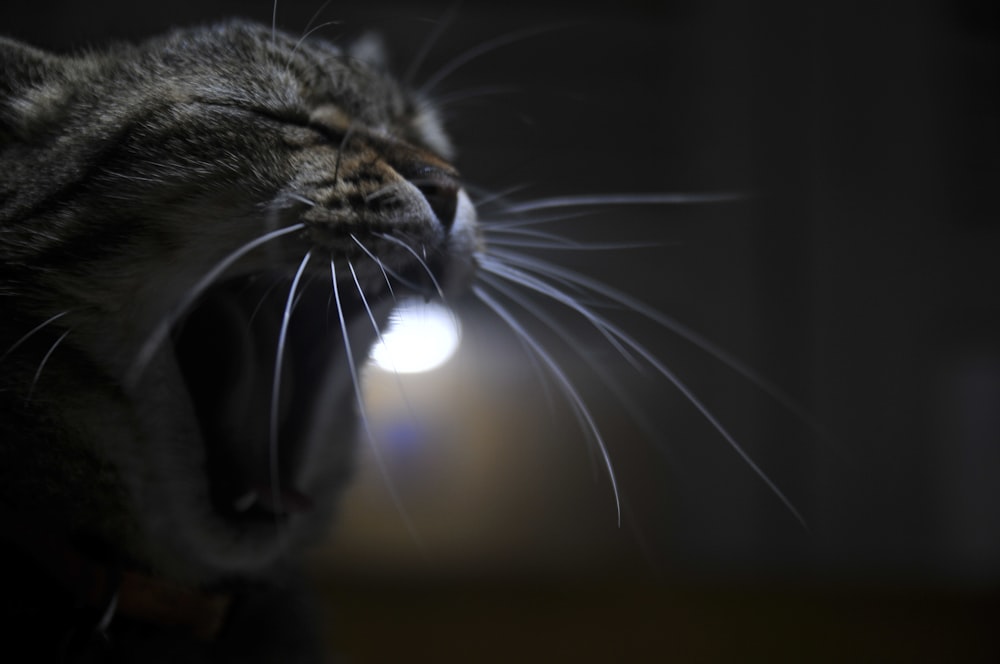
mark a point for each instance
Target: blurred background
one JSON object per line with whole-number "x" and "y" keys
{"x": 859, "y": 274}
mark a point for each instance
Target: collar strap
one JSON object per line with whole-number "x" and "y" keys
{"x": 154, "y": 601}
{"x": 116, "y": 592}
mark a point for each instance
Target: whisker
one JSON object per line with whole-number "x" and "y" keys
{"x": 301, "y": 199}
{"x": 518, "y": 277}
{"x": 626, "y": 199}
{"x": 302, "y": 292}
{"x": 380, "y": 264}
{"x": 563, "y": 333}
{"x": 263, "y": 298}
{"x": 564, "y": 382}
{"x": 41, "y": 365}
{"x": 501, "y": 230}
{"x": 363, "y": 413}
{"x": 444, "y": 101}
{"x": 316, "y": 16}
{"x": 676, "y": 327}
{"x": 382, "y": 192}
{"x": 519, "y": 221}
{"x": 279, "y": 357}
{"x": 340, "y": 152}
{"x": 381, "y": 340}
{"x": 606, "y": 328}
{"x": 501, "y": 257}
{"x": 364, "y": 301}
{"x": 572, "y": 246}
{"x": 529, "y": 353}
{"x": 478, "y": 51}
{"x": 569, "y": 338}
{"x": 440, "y": 26}
{"x": 305, "y": 36}
{"x": 508, "y": 235}
{"x": 33, "y": 331}
{"x": 490, "y": 197}
{"x": 160, "y": 332}
{"x": 420, "y": 260}
{"x": 274, "y": 23}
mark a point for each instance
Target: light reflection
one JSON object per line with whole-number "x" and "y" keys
{"x": 421, "y": 337}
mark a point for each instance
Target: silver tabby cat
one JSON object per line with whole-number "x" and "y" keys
{"x": 189, "y": 230}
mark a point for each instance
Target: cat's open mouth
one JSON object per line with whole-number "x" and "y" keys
{"x": 256, "y": 416}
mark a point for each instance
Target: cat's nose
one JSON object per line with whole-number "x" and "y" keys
{"x": 441, "y": 193}
{"x": 440, "y": 188}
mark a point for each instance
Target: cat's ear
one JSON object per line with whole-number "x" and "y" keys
{"x": 370, "y": 48}
{"x": 25, "y": 73}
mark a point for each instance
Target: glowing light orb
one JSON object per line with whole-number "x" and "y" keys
{"x": 421, "y": 336}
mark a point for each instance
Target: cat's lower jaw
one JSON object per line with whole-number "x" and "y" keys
{"x": 252, "y": 470}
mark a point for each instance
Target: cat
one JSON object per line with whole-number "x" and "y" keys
{"x": 200, "y": 239}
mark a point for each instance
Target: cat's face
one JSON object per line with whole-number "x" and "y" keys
{"x": 189, "y": 215}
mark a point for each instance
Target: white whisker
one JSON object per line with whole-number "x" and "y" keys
{"x": 564, "y": 334}
{"x": 279, "y": 357}
{"x": 567, "y": 337}
{"x": 274, "y": 22}
{"x": 32, "y": 333}
{"x": 483, "y": 197}
{"x": 263, "y": 298}
{"x": 564, "y": 382}
{"x": 363, "y": 414}
{"x": 443, "y": 101}
{"x": 160, "y": 332}
{"x": 464, "y": 58}
{"x": 676, "y": 327}
{"x": 428, "y": 43}
{"x": 364, "y": 302}
{"x": 609, "y": 330}
{"x": 420, "y": 260}
{"x": 381, "y": 340}
{"x": 680, "y": 198}
{"x": 41, "y": 365}
{"x": 529, "y": 353}
{"x": 381, "y": 266}
{"x": 507, "y": 220}
{"x": 492, "y": 231}
{"x": 340, "y": 152}
{"x": 316, "y": 15}
{"x": 301, "y": 199}
{"x": 570, "y": 246}
{"x": 381, "y": 192}
{"x": 302, "y": 39}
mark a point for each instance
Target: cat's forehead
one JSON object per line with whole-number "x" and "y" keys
{"x": 249, "y": 65}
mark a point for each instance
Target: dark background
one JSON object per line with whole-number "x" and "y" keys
{"x": 860, "y": 275}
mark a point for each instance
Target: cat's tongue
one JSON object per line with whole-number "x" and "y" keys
{"x": 285, "y": 500}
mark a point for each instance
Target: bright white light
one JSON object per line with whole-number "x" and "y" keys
{"x": 421, "y": 336}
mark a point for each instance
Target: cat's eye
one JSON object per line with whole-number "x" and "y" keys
{"x": 330, "y": 117}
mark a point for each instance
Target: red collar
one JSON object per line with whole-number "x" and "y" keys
{"x": 114, "y": 591}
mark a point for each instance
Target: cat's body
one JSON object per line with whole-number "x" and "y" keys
{"x": 158, "y": 204}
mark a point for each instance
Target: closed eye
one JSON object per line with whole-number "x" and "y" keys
{"x": 293, "y": 117}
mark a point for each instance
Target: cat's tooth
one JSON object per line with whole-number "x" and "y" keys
{"x": 246, "y": 501}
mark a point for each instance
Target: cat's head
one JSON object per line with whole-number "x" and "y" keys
{"x": 157, "y": 203}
